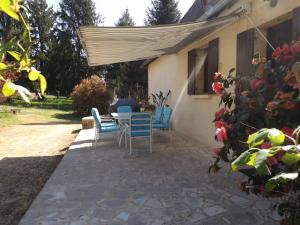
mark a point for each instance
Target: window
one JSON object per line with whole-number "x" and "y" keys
{"x": 202, "y": 64}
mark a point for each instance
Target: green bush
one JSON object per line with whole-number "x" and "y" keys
{"x": 91, "y": 92}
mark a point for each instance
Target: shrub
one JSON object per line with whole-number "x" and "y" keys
{"x": 91, "y": 92}
{"x": 270, "y": 158}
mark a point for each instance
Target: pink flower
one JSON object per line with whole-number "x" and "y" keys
{"x": 218, "y": 76}
{"x": 217, "y": 88}
{"x": 220, "y": 113}
{"x": 221, "y": 134}
{"x": 216, "y": 152}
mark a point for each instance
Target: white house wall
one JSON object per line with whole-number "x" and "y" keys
{"x": 193, "y": 115}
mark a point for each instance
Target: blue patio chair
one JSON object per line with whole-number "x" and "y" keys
{"x": 165, "y": 123}
{"x": 102, "y": 127}
{"x": 124, "y": 109}
{"x": 140, "y": 126}
{"x": 158, "y": 115}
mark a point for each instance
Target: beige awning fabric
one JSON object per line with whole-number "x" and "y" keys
{"x": 108, "y": 45}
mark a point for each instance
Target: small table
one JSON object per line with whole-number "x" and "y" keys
{"x": 123, "y": 119}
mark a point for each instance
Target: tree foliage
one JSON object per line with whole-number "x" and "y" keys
{"x": 127, "y": 79}
{"x": 162, "y": 12}
{"x": 67, "y": 63}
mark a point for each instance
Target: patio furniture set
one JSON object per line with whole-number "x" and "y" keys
{"x": 129, "y": 125}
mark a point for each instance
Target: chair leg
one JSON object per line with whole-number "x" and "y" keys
{"x": 150, "y": 144}
{"x": 125, "y": 139}
{"x": 130, "y": 145}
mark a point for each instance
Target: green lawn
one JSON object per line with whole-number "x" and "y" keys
{"x": 51, "y": 110}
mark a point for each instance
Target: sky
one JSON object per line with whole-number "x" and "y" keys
{"x": 111, "y": 10}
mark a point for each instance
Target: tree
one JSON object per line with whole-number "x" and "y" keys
{"x": 125, "y": 19}
{"x": 162, "y": 12}
{"x": 68, "y": 63}
{"x": 127, "y": 79}
{"x": 41, "y": 20}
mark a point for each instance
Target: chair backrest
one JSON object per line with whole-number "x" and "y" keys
{"x": 158, "y": 114}
{"x": 97, "y": 118}
{"x": 140, "y": 125}
{"x": 124, "y": 109}
{"x": 167, "y": 113}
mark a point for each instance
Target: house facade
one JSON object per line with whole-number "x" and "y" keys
{"x": 189, "y": 72}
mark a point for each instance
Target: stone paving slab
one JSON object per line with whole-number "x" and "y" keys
{"x": 171, "y": 186}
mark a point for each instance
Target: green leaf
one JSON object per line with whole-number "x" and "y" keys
{"x": 280, "y": 179}
{"x": 291, "y": 158}
{"x": 257, "y": 138}
{"x": 242, "y": 160}
{"x": 9, "y": 7}
{"x": 33, "y": 74}
{"x": 8, "y": 89}
{"x": 14, "y": 54}
{"x": 263, "y": 169}
{"x": 2, "y": 66}
{"x": 261, "y": 157}
{"x": 252, "y": 159}
{"x": 43, "y": 84}
{"x": 276, "y": 137}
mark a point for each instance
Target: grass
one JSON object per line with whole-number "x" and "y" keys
{"x": 51, "y": 110}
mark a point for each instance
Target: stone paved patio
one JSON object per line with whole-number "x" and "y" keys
{"x": 171, "y": 186}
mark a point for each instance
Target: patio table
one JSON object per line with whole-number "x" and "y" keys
{"x": 123, "y": 120}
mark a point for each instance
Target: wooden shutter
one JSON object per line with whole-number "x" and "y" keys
{"x": 191, "y": 71}
{"x": 296, "y": 23}
{"x": 245, "y": 51}
{"x": 212, "y": 63}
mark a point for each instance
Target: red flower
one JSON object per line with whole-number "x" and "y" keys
{"x": 280, "y": 154}
{"x": 216, "y": 152}
{"x": 271, "y": 161}
{"x": 287, "y": 58}
{"x": 221, "y": 134}
{"x": 266, "y": 145}
{"x": 220, "y": 113}
{"x": 288, "y": 105}
{"x": 217, "y": 88}
{"x": 276, "y": 53}
{"x": 285, "y": 49}
{"x": 255, "y": 84}
{"x": 295, "y": 48}
{"x": 218, "y": 76}
{"x": 220, "y": 124}
{"x": 287, "y": 131}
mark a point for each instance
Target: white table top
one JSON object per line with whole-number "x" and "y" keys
{"x": 125, "y": 116}
{"x": 121, "y": 116}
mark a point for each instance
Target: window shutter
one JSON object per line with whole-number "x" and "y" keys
{"x": 245, "y": 51}
{"x": 296, "y": 23}
{"x": 191, "y": 71}
{"x": 212, "y": 63}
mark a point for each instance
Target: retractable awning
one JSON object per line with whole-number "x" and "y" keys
{"x": 108, "y": 45}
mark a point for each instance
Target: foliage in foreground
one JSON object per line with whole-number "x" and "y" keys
{"x": 14, "y": 53}
{"x": 261, "y": 133}
{"x": 91, "y": 92}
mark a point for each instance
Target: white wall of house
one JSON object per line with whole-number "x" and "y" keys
{"x": 193, "y": 115}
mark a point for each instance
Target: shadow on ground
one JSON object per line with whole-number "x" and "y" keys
{"x": 21, "y": 179}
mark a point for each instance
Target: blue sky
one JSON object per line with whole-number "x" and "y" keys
{"x": 112, "y": 9}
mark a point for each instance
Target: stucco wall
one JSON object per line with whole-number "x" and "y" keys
{"x": 193, "y": 115}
